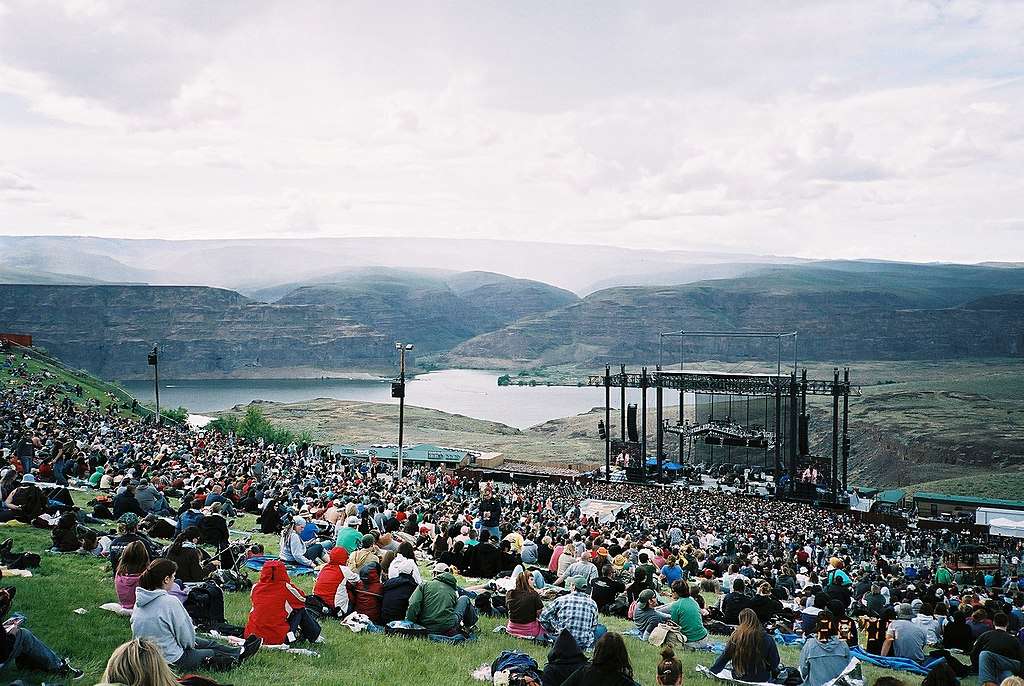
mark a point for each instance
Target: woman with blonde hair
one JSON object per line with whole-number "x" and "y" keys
{"x": 138, "y": 663}
{"x": 753, "y": 653}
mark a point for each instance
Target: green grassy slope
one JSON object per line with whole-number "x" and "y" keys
{"x": 92, "y": 388}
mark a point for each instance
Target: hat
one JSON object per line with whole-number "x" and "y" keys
{"x": 128, "y": 519}
{"x": 602, "y": 551}
{"x": 709, "y": 574}
{"x": 904, "y": 611}
{"x": 939, "y": 593}
{"x": 441, "y": 568}
{"x": 352, "y": 521}
{"x": 368, "y": 540}
{"x": 28, "y": 479}
{"x": 645, "y": 597}
{"x": 580, "y": 583}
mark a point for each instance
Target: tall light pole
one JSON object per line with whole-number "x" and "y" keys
{"x": 153, "y": 359}
{"x": 398, "y": 391}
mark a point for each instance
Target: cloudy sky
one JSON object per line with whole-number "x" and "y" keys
{"x": 819, "y": 129}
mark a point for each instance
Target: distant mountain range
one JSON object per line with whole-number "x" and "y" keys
{"x": 323, "y": 307}
{"x": 249, "y": 266}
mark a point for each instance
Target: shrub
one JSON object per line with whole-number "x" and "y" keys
{"x": 178, "y": 415}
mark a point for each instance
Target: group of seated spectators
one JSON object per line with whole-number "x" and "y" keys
{"x": 427, "y": 548}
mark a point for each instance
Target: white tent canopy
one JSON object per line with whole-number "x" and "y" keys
{"x": 1000, "y": 522}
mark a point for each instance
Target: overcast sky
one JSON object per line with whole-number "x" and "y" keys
{"x": 818, "y": 129}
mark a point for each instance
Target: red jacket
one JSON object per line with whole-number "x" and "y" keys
{"x": 274, "y": 597}
{"x": 367, "y": 595}
{"x": 335, "y": 580}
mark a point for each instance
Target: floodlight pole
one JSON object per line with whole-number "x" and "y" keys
{"x": 402, "y": 347}
{"x": 154, "y": 360}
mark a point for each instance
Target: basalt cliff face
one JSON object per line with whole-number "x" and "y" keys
{"x": 321, "y": 329}
{"x": 839, "y": 318}
{"x": 202, "y": 332}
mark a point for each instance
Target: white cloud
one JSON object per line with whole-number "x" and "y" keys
{"x": 821, "y": 129}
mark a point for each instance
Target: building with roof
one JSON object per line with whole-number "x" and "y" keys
{"x": 936, "y": 504}
{"x": 424, "y": 454}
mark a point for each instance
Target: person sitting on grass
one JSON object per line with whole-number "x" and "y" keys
{"x": 25, "y": 503}
{"x": 20, "y": 646}
{"x": 185, "y": 553}
{"x": 128, "y": 528}
{"x": 752, "y": 652}
{"x": 686, "y": 613}
{"x": 825, "y": 655}
{"x": 294, "y": 551}
{"x": 524, "y": 607}
{"x": 279, "y": 614}
{"x": 997, "y": 653}
{"x": 437, "y": 605}
{"x": 65, "y": 536}
{"x": 334, "y": 583}
{"x": 610, "y": 666}
{"x": 576, "y": 612}
{"x": 138, "y": 663}
{"x": 564, "y": 658}
{"x": 670, "y": 669}
{"x": 161, "y": 618}
{"x": 646, "y": 616}
{"x": 130, "y": 567}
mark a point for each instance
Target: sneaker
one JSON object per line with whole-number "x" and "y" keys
{"x": 289, "y": 637}
{"x": 70, "y": 672}
{"x": 249, "y": 648}
{"x": 320, "y": 639}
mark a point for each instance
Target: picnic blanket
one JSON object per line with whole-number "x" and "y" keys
{"x": 850, "y": 676}
{"x": 788, "y": 639}
{"x": 257, "y": 563}
{"x": 900, "y": 664}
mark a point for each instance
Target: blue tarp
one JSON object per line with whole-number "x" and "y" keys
{"x": 901, "y": 664}
{"x": 260, "y": 560}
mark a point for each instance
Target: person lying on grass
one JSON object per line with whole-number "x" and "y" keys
{"x": 19, "y": 645}
{"x": 161, "y": 618}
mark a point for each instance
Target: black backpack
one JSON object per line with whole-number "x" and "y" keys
{"x": 205, "y": 604}
{"x": 231, "y": 581}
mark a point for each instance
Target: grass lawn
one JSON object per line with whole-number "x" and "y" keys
{"x": 64, "y": 583}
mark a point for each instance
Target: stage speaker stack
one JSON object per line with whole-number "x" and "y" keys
{"x": 805, "y": 447}
{"x": 634, "y": 437}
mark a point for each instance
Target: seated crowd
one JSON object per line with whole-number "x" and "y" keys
{"x": 688, "y": 568}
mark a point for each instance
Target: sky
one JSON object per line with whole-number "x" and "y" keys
{"x": 845, "y": 129}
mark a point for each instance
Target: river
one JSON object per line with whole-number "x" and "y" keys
{"x": 470, "y": 392}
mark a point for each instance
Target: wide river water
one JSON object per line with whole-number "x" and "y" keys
{"x": 470, "y": 392}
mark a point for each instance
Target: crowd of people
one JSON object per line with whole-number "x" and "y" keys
{"x": 432, "y": 551}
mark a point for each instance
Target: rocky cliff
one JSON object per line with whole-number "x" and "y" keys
{"x": 839, "y": 315}
{"x": 202, "y": 332}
